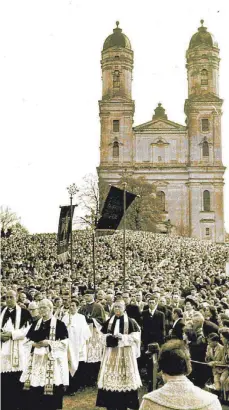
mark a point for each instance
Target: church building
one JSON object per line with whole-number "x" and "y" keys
{"x": 183, "y": 161}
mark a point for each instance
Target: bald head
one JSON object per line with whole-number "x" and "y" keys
{"x": 11, "y": 297}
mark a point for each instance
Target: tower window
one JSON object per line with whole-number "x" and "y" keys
{"x": 205, "y": 124}
{"x": 205, "y": 149}
{"x": 161, "y": 200}
{"x": 116, "y": 126}
{"x": 207, "y": 232}
{"x": 116, "y": 79}
{"x": 116, "y": 150}
{"x": 204, "y": 77}
{"x": 206, "y": 200}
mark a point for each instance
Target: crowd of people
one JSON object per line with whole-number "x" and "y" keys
{"x": 57, "y": 330}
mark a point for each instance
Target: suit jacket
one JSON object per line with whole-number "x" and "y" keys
{"x": 153, "y": 327}
{"x": 177, "y": 330}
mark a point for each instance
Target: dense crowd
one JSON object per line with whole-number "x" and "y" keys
{"x": 184, "y": 280}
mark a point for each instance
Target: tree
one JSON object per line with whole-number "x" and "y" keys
{"x": 10, "y": 223}
{"x": 91, "y": 194}
{"x": 144, "y": 213}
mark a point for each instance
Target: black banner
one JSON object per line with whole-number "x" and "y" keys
{"x": 113, "y": 208}
{"x": 64, "y": 229}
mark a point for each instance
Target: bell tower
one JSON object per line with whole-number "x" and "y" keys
{"x": 116, "y": 108}
{"x": 203, "y": 111}
{"x": 203, "y": 106}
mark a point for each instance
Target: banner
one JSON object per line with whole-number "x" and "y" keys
{"x": 64, "y": 231}
{"x": 113, "y": 208}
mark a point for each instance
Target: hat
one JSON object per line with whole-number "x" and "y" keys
{"x": 89, "y": 292}
{"x": 214, "y": 337}
{"x": 192, "y": 301}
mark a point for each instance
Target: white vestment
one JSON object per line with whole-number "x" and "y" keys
{"x": 36, "y": 366}
{"x": 79, "y": 332}
{"x": 12, "y": 351}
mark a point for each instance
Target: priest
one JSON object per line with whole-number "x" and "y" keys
{"x": 14, "y": 324}
{"x": 119, "y": 378}
{"x": 95, "y": 317}
{"x": 46, "y": 372}
{"x": 79, "y": 332}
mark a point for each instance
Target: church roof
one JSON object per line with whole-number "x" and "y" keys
{"x": 117, "y": 39}
{"x": 202, "y": 37}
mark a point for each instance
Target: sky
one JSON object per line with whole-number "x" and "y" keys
{"x": 51, "y": 82}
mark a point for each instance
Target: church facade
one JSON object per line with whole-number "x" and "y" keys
{"x": 183, "y": 161}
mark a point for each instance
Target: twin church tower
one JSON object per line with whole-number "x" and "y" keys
{"x": 183, "y": 161}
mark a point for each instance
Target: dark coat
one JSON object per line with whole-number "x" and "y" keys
{"x": 153, "y": 327}
{"x": 178, "y": 330}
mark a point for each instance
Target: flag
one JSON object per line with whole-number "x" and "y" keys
{"x": 113, "y": 208}
{"x": 64, "y": 231}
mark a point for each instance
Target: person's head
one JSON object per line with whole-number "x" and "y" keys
{"x": 188, "y": 306}
{"x": 213, "y": 339}
{"x": 152, "y": 301}
{"x": 45, "y": 309}
{"x": 109, "y": 299}
{"x": 100, "y": 294}
{"x": 126, "y": 297}
{"x": 22, "y": 297}
{"x": 66, "y": 302}
{"x": 73, "y": 306}
{"x": 197, "y": 320}
{"x": 210, "y": 312}
{"x": 138, "y": 296}
{"x": 224, "y": 335}
{"x": 33, "y": 309}
{"x": 177, "y": 313}
{"x": 163, "y": 300}
{"x": 11, "y": 298}
{"x": 174, "y": 359}
{"x": 58, "y": 302}
{"x": 89, "y": 296}
{"x": 119, "y": 308}
{"x": 176, "y": 298}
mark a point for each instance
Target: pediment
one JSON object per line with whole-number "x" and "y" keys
{"x": 159, "y": 124}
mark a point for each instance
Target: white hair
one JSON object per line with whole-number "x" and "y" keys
{"x": 47, "y": 302}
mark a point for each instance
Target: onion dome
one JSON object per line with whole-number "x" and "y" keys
{"x": 117, "y": 39}
{"x": 202, "y": 37}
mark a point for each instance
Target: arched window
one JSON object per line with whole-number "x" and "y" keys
{"x": 116, "y": 150}
{"x": 206, "y": 200}
{"x": 204, "y": 77}
{"x": 161, "y": 200}
{"x": 205, "y": 149}
{"x": 116, "y": 79}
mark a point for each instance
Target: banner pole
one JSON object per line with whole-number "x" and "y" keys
{"x": 93, "y": 254}
{"x": 71, "y": 231}
{"x": 124, "y": 235}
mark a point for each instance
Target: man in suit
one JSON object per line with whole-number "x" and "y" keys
{"x": 153, "y": 323}
{"x": 153, "y": 331}
{"x": 178, "y": 326}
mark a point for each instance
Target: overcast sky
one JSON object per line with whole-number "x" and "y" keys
{"x": 51, "y": 83}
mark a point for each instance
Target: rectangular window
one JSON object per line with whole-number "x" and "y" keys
{"x": 205, "y": 124}
{"x": 116, "y": 126}
{"x": 204, "y": 81}
{"x": 207, "y": 231}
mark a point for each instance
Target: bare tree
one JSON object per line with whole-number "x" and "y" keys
{"x": 7, "y": 218}
{"x": 91, "y": 194}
